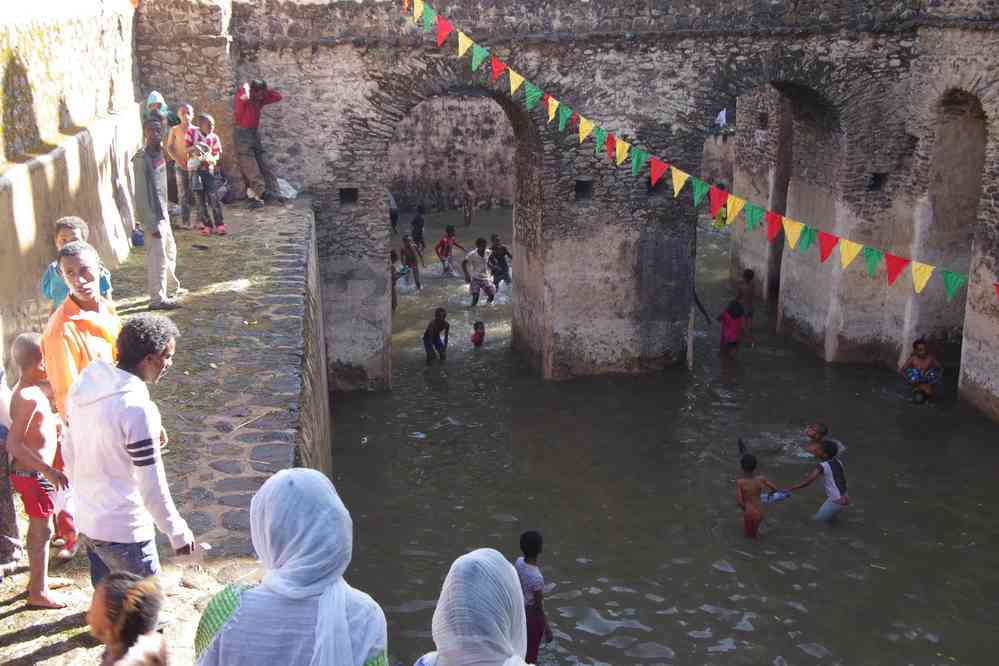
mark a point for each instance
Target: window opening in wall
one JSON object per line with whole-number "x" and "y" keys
{"x": 876, "y": 182}
{"x": 584, "y": 189}
{"x": 348, "y": 196}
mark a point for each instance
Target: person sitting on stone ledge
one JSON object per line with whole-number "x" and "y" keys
{"x": 922, "y": 371}
{"x": 480, "y": 616}
{"x": 303, "y": 612}
{"x": 251, "y": 157}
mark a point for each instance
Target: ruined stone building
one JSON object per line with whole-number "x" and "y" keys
{"x": 871, "y": 120}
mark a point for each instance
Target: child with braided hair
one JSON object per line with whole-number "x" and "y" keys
{"x": 123, "y": 615}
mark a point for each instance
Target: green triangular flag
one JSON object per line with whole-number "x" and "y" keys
{"x": 753, "y": 215}
{"x": 873, "y": 257}
{"x": 479, "y": 55}
{"x": 600, "y": 140}
{"x": 564, "y": 114}
{"x": 699, "y": 188}
{"x": 809, "y": 236}
{"x": 429, "y": 19}
{"x": 953, "y": 282}
{"x": 638, "y": 160}
{"x": 532, "y": 95}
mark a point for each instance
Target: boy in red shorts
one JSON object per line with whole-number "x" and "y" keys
{"x": 749, "y": 495}
{"x": 32, "y": 444}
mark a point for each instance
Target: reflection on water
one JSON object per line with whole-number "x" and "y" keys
{"x": 631, "y": 481}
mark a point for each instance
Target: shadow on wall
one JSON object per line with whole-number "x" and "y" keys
{"x": 21, "y": 135}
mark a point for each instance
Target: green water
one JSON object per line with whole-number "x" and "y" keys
{"x": 631, "y": 481}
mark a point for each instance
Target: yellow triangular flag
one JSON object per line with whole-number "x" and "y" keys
{"x": 920, "y": 275}
{"x": 792, "y": 229}
{"x": 585, "y": 127}
{"x": 733, "y": 207}
{"x": 552, "y": 108}
{"x": 848, "y": 251}
{"x": 515, "y": 79}
{"x": 464, "y": 41}
{"x": 621, "y": 149}
{"x": 417, "y": 10}
{"x": 679, "y": 180}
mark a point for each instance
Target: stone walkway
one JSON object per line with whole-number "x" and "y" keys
{"x": 230, "y": 405}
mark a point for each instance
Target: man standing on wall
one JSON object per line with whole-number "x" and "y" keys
{"x": 254, "y": 164}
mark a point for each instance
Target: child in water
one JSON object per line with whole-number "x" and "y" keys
{"x": 433, "y": 343}
{"x": 922, "y": 370}
{"x": 445, "y": 250}
{"x": 479, "y": 334}
{"x": 732, "y": 323}
{"x": 749, "y": 495}
{"x": 532, "y": 584}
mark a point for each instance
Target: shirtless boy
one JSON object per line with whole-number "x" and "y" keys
{"x": 748, "y": 493}
{"x": 922, "y": 370}
{"x": 32, "y": 444}
{"x": 412, "y": 258}
{"x": 432, "y": 341}
{"x": 818, "y": 434}
{"x": 745, "y": 296}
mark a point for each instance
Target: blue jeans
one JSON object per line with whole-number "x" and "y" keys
{"x": 106, "y": 556}
{"x": 828, "y": 511}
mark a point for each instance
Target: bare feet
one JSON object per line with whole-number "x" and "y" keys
{"x": 44, "y": 602}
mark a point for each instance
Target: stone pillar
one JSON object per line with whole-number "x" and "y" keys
{"x": 979, "y": 379}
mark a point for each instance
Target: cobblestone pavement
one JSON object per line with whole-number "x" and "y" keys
{"x": 230, "y": 406}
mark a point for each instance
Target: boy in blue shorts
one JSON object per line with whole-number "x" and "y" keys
{"x": 433, "y": 343}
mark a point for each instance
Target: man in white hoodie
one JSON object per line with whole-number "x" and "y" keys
{"x": 114, "y": 460}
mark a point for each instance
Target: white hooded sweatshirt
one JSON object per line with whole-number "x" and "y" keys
{"x": 113, "y": 460}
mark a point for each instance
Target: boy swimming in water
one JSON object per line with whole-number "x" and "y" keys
{"x": 818, "y": 434}
{"x": 433, "y": 343}
{"x": 922, "y": 370}
{"x": 749, "y": 495}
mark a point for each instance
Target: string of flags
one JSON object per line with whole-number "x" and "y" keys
{"x": 723, "y": 205}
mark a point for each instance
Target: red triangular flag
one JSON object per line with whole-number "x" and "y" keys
{"x": 544, "y": 102}
{"x": 717, "y": 198}
{"x": 657, "y": 168}
{"x": 498, "y": 68}
{"x": 775, "y": 222}
{"x": 997, "y": 289}
{"x": 444, "y": 28}
{"x": 826, "y": 244}
{"x": 575, "y": 120}
{"x": 894, "y": 267}
{"x": 611, "y": 146}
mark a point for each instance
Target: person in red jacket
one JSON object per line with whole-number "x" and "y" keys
{"x": 253, "y": 161}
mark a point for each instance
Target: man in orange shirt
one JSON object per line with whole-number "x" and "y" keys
{"x": 82, "y": 329}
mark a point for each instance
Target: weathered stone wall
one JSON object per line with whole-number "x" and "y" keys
{"x": 718, "y": 162}
{"x": 68, "y": 129}
{"x": 447, "y": 141}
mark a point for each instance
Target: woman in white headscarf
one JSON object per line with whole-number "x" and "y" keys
{"x": 303, "y": 613}
{"x": 480, "y": 618}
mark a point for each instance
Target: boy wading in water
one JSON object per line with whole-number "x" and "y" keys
{"x": 922, "y": 370}
{"x": 748, "y": 494}
{"x": 732, "y": 323}
{"x": 499, "y": 262}
{"x": 834, "y": 480}
{"x": 32, "y": 443}
{"x": 479, "y": 280}
{"x": 433, "y": 343}
{"x": 445, "y": 249}
{"x": 745, "y": 296}
{"x": 532, "y": 583}
{"x": 412, "y": 258}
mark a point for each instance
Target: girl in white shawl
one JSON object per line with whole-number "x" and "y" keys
{"x": 303, "y": 613}
{"x": 479, "y": 620}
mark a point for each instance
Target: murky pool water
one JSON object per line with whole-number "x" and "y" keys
{"x": 631, "y": 481}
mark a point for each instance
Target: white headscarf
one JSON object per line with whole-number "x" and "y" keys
{"x": 480, "y": 618}
{"x": 304, "y": 536}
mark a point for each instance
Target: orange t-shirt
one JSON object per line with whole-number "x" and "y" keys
{"x": 73, "y": 338}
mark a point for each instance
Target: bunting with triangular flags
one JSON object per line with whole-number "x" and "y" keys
{"x": 848, "y": 251}
{"x": 717, "y": 198}
{"x": 679, "y": 180}
{"x": 996, "y": 285}
{"x": 444, "y": 30}
{"x": 498, "y": 67}
{"x": 585, "y": 128}
{"x": 753, "y": 215}
{"x": 699, "y": 189}
{"x": 429, "y": 19}
{"x": 872, "y": 257}
{"x": 792, "y": 229}
{"x": 611, "y": 145}
{"x": 894, "y": 266}
{"x": 733, "y": 206}
{"x": 953, "y": 282}
{"x": 564, "y": 115}
{"x": 826, "y": 244}
{"x": 479, "y": 55}
{"x": 464, "y": 43}
{"x": 532, "y": 95}
{"x": 921, "y": 275}
{"x": 657, "y": 168}
{"x": 775, "y": 222}
{"x": 599, "y": 140}
{"x": 417, "y": 10}
{"x": 638, "y": 160}
{"x": 552, "y": 108}
{"x": 515, "y": 81}
{"x": 808, "y": 237}
{"x": 621, "y": 148}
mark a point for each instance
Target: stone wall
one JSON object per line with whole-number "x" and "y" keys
{"x": 68, "y": 129}
{"x": 447, "y": 141}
